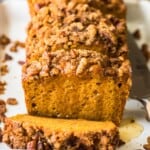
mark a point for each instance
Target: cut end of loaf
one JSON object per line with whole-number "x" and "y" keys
{"x": 94, "y": 98}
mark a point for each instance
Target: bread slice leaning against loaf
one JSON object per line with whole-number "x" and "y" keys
{"x": 39, "y": 133}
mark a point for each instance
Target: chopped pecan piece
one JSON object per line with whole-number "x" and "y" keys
{"x": 20, "y": 62}
{"x": 11, "y": 101}
{"x": 145, "y": 51}
{"x": 2, "y": 87}
{"x": 137, "y": 34}
{"x": 16, "y": 45}
{"x": 2, "y": 110}
{"x": 4, "y": 40}
{"x": 0, "y": 135}
{"x": 7, "y": 57}
{"x": 147, "y": 146}
{"x": 3, "y": 69}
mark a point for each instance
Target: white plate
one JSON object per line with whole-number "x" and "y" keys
{"x": 14, "y": 17}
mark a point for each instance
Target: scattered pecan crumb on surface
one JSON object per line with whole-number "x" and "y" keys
{"x": 0, "y": 135}
{"x": 147, "y": 146}
{"x": 2, "y": 83}
{"x": 2, "y": 110}
{"x": 137, "y": 34}
{"x": 148, "y": 139}
{"x": 12, "y": 101}
{"x": 7, "y": 57}
{"x": 132, "y": 120}
{"x": 4, "y": 40}
{"x": 121, "y": 142}
{"x": 3, "y": 70}
{"x": 2, "y": 87}
{"x": 145, "y": 51}
{"x": 16, "y": 45}
{"x": 20, "y": 62}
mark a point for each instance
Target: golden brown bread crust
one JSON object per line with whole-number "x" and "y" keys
{"x": 115, "y": 7}
{"x": 28, "y": 132}
{"x": 77, "y": 65}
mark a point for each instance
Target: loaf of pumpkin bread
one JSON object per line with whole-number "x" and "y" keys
{"x": 39, "y": 133}
{"x": 77, "y": 64}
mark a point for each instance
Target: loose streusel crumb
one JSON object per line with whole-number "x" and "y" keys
{"x": 12, "y": 101}
{"x": 147, "y": 146}
{"x": 4, "y": 40}
{"x": 137, "y": 34}
{"x": 2, "y": 87}
{"x": 145, "y": 51}
{"x": 148, "y": 139}
{"x": 16, "y": 45}
{"x": 20, "y": 62}
{"x": 2, "y": 110}
{"x": 121, "y": 142}
{"x": 7, "y": 57}
{"x": 4, "y": 69}
{"x": 0, "y": 135}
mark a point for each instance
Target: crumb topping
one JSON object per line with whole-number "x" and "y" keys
{"x": 26, "y": 136}
{"x": 75, "y": 62}
{"x": 57, "y": 32}
{"x": 74, "y": 26}
{"x": 113, "y": 6}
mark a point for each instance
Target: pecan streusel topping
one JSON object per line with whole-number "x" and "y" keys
{"x": 75, "y": 62}
{"x": 75, "y": 25}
